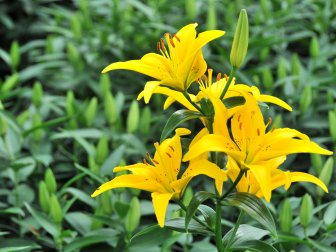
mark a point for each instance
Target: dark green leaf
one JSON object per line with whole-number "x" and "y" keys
{"x": 233, "y": 101}
{"x": 254, "y": 207}
{"x": 112, "y": 161}
{"x": 254, "y": 246}
{"x": 209, "y": 214}
{"x": 176, "y": 119}
{"x": 198, "y": 199}
{"x": 148, "y": 237}
{"x": 178, "y": 224}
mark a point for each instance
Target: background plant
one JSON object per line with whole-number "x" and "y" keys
{"x": 59, "y": 113}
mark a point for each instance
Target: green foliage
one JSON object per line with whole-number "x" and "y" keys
{"x": 58, "y": 111}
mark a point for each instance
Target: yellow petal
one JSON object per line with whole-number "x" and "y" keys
{"x": 205, "y": 167}
{"x": 275, "y": 100}
{"x": 196, "y": 69}
{"x": 214, "y": 143}
{"x": 305, "y": 177}
{"x": 131, "y": 181}
{"x": 262, "y": 175}
{"x": 160, "y": 204}
{"x": 149, "y": 89}
{"x": 151, "y": 64}
{"x": 205, "y": 37}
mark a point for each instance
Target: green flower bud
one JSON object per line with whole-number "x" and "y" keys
{"x": 330, "y": 96}
{"x": 265, "y": 8}
{"x": 132, "y": 123}
{"x": 49, "y": 46}
{"x": 106, "y": 203}
{"x": 145, "y": 121}
{"x": 296, "y": 69}
{"x": 3, "y": 126}
{"x": 286, "y": 217}
{"x": 314, "y": 47}
{"x": 282, "y": 69}
{"x": 70, "y": 109}
{"x": 190, "y": 8}
{"x": 91, "y": 111}
{"x": 15, "y": 55}
{"x": 50, "y": 181}
{"x": 74, "y": 56}
{"x": 267, "y": 78}
{"x": 240, "y": 40}
{"x": 38, "y": 133}
{"x": 110, "y": 108}
{"x": 305, "y": 99}
{"x": 104, "y": 84}
{"x": 76, "y": 27}
{"x": 332, "y": 125}
{"x": 23, "y": 117}
{"x": 44, "y": 198}
{"x": 37, "y": 94}
{"x": 55, "y": 210}
{"x": 10, "y": 83}
{"x": 211, "y": 21}
{"x": 102, "y": 150}
{"x": 133, "y": 215}
{"x": 306, "y": 210}
{"x": 317, "y": 162}
{"x": 264, "y": 53}
{"x": 326, "y": 174}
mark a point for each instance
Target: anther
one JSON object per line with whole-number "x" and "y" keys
{"x": 219, "y": 76}
{"x": 205, "y": 78}
{"x": 156, "y": 162}
{"x": 163, "y": 48}
{"x": 158, "y": 46}
{"x": 226, "y": 76}
{"x": 145, "y": 161}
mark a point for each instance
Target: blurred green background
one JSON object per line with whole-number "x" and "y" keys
{"x": 64, "y": 126}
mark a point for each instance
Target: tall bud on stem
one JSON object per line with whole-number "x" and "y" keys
{"x": 240, "y": 40}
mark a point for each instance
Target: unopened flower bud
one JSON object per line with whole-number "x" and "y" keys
{"x": 133, "y": 215}
{"x": 306, "y": 210}
{"x": 37, "y": 94}
{"x": 44, "y": 198}
{"x": 50, "y": 181}
{"x": 240, "y": 40}
{"x": 102, "y": 150}
{"x": 286, "y": 217}
{"x": 133, "y": 117}
{"x": 15, "y": 55}
{"x": 314, "y": 47}
{"x": 332, "y": 125}
{"x": 326, "y": 174}
{"x": 91, "y": 111}
{"x": 305, "y": 99}
{"x": 55, "y": 209}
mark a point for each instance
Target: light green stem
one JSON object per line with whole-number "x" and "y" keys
{"x": 232, "y": 74}
{"x": 240, "y": 175}
{"x": 186, "y": 95}
{"x": 218, "y": 229}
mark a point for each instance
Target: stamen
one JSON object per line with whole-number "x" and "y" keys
{"x": 145, "y": 161}
{"x": 156, "y": 162}
{"x": 219, "y": 76}
{"x": 226, "y": 77}
{"x": 210, "y": 76}
{"x": 163, "y": 48}
{"x": 158, "y": 48}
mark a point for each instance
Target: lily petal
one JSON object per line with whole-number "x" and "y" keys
{"x": 130, "y": 181}
{"x": 263, "y": 176}
{"x": 275, "y": 100}
{"x": 160, "y": 204}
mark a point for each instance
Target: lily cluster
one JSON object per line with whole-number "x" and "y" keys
{"x": 235, "y": 143}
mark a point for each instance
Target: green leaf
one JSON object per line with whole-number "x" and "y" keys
{"x": 90, "y": 173}
{"x": 209, "y": 214}
{"x": 254, "y": 207}
{"x": 148, "y": 237}
{"x": 43, "y": 220}
{"x": 79, "y": 221}
{"x": 330, "y": 213}
{"x": 112, "y": 161}
{"x": 233, "y": 101}
{"x": 198, "y": 199}
{"x": 85, "y": 133}
{"x": 12, "y": 210}
{"x": 254, "y": 246}
{"x": 176, "y": 119}
{"x": 81, "y": 195}
{"x": 178, "y": 224}
{"x": 99, "y": 236}
{"x": 321, "y": 246}
{"x": 245, "y": 233}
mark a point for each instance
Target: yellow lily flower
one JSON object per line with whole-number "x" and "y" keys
{"x": 176, "y": 66}
{"x": 216, "y": 88}
{"x": 160, "y": 178}
{"x": 254, "y": 149}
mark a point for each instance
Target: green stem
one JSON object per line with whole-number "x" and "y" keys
{"x": 240, "y": 175}
{"x": 186, "y": 95}
{"x": 232, "y": 73}
{"x": 234, "y": 231}
{"x": 218, "y": 228}
{"x": 184, "y": 208}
